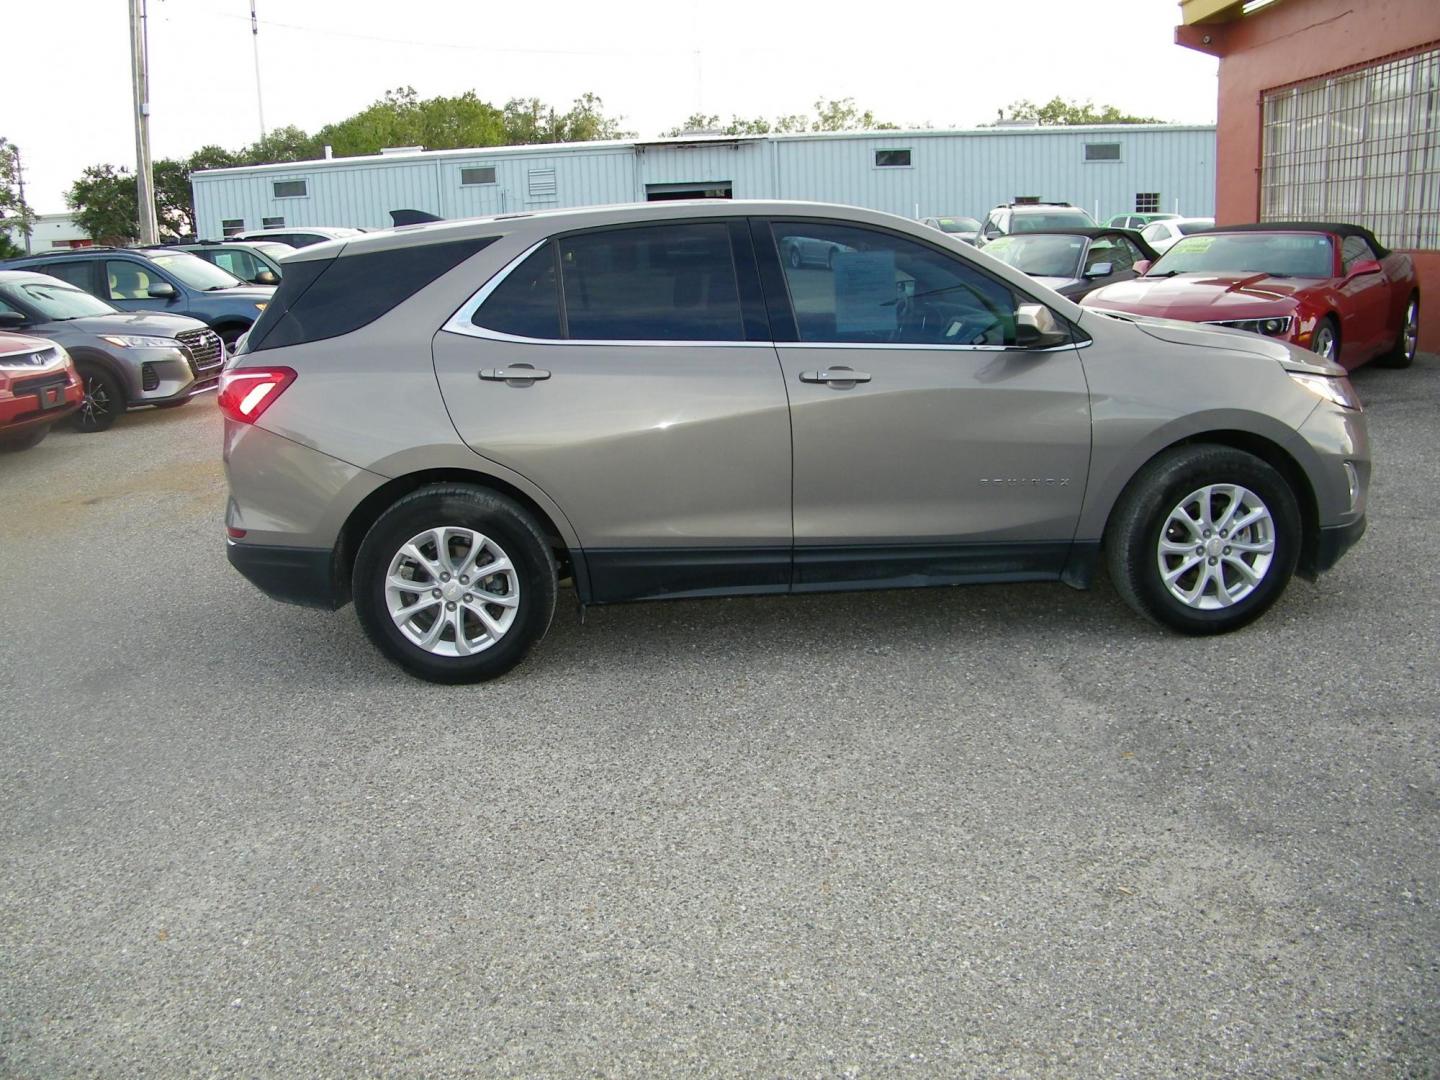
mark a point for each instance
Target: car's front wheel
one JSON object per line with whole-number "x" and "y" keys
{"x": 104, "y": 401}
{"x": 455, "y": 583}
{"x": 1204, "y": 539}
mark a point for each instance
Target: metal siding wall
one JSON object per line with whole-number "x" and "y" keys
{"x": 951, "y": 173}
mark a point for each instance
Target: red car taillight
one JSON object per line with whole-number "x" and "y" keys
{"x": 245, "y": 393}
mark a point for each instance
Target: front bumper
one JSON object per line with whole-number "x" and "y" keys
{"x": 304, "y": 576}
{"x": 1334, "y": 542}
{"x": 158, "y": 375}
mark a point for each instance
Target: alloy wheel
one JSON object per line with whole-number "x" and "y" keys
{"x": 1216, "y": 546}
{"x": 452, "y": 591}
{"x": 1412, "y": 329}
{"x": 95, "y": 407}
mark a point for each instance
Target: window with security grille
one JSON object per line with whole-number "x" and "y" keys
{"x": 1360, "y": 146}
{"x": 1147, "y": 202}
{"x": 479, "y": 175}
{"x": 291, "y": 189}
{"x": 1102, "y": 151}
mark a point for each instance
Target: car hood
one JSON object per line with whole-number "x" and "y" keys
{"x": 150, "y": 323}
{"x": 1290, "y": 357}
{"x": 1203, "y": 295}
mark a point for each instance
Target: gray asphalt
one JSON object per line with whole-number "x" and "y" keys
{"x": 1003, "y": 831}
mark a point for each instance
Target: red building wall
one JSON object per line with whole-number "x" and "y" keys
{"x": 1290, "y": 42}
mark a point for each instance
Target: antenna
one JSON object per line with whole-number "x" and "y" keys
{"x": 255, "y": 40}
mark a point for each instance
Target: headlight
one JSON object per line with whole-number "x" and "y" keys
{"x": 1337, "y": 390}
{"x": 1276, "y": 327}
{"x": 136, "y": 341}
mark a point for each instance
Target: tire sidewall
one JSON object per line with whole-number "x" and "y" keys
{"x": 112, "y": 390}
{"x": 492, "y": 515}
{"x": 1184, "y": 475}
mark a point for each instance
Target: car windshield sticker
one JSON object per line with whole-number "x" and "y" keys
{"x": 865, "y": 291}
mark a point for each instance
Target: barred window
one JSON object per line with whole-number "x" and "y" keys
{"x": 1358, "y": 147}
{"x": 481, "y": 174}
{"x": 1147, "y": 202}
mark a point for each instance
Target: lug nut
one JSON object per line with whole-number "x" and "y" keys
{"x": 464, "y": 580}
{"x": 1227, "y": 551}
{"x": 1199, "y": 550}
{"x": 450, "y": 606}
{"x": 446, "y": 577}
{"x": 468, "y": 597}
{"x": 1212, "y": 563}
{"x": 435, "y": 593}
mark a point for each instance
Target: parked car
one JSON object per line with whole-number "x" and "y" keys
{"x": 126, "y": 359}
{"x": 157, "y": 279}
{"x": 38, "y": 387}
{"x": 1137, "y": 221}
{"x": 1160, "y": 235}
{"x": 1075, "y": 262}
{"x": 800, "y": 251}
{"x": 961, "y": 228}
{"x": 298, "y": 236}
{"x": 1331, "y": 288}
{"x": 257, "y": 263}
{"x": 935, "y": 417}
{"x": 1032, "y": 217}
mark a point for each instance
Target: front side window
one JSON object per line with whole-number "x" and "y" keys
{"x": 870, "y": 287}
{"x": 654, "y": 283}
{"x": 129, "y": 280}
{"x": 1112, "y": 250}
{"x": 1354, "y": 249}
{"x": 527, "y": 302}
{"x": 239, "y": 263}
{"x": 194, "y": 272}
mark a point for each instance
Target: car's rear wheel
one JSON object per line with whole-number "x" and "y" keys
{"x": 104, "y": 401}
{"x": 1402, "y": 353}
{"x": 1326, "y": 339}
{"x": 1204, "y": 539}
{"x": 455, "y": 583}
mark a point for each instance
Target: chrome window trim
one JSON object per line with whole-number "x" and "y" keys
{"x": 460, "y": 323}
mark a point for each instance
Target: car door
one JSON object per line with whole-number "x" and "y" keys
{"x": 127, "y": 284}
{"x": 925, "y": 441}
{"x": 1365, "y": 308}
{"x": 628, "y": 373}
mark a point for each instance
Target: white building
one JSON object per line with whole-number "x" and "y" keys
{"x": 1107, "y": 170}
{"x": 52, "y": 231}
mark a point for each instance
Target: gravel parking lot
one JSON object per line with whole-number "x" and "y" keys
{"x": 991, "y": 831}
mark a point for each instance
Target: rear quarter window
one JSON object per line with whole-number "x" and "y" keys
{"x": 324, "y": 298}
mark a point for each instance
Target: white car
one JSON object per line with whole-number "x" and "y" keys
{"x": 1162, "y": 234}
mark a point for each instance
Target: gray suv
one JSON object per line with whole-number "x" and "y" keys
{"x": 125, "y": 359}
{"x": 444, "y": 422}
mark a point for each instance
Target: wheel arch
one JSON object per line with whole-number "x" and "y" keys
{"x": 1274, "y": 455}
{"x": 85, "y": 355}
{"x": 369, "y": 509}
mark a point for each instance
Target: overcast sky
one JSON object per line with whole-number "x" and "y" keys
{"x": 946, "y": 64}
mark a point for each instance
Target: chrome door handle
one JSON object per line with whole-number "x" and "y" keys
{"x": 835, "y": 375}
{"x": 514, "y": 373}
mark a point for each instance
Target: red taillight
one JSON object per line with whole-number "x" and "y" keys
{"x": 245, "y": 393}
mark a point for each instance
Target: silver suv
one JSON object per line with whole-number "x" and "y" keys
{"x": 443, "y": 422}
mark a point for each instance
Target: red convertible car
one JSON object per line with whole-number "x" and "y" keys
{"x": 1327, "y": 287}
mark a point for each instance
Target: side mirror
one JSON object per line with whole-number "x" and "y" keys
{"x": 1037, "y": 328}
{"x": 161, "y": 290}
{"x": 266, "y": 277}
{"x": 1142, "y": 267}
{"x": 1363, "y": 267}
{"x": 1099, "y": 270}
{"x": 12, "y": 318}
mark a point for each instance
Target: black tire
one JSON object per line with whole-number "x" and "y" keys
{"x": 103, "y": 403}
{"x": 1402, "y": 353}
{"x": 501, "y": 521}
{"x": 1143, "y": 512}
{"x": 1326, "y": 326}
{"x": 12, "y": 444}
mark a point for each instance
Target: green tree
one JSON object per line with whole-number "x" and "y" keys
{"x": 105, "y": 204}
{"x": 529, "y": 120}
{"x": 174, "y": 202}
{"x": 830, "y": 115}
{"x": 281, "y": 144}
{"x": 15, "y": 213}
{"x": 1059, "y": 111}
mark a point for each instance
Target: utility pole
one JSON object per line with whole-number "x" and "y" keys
{"x": 144, "y": 174}
{"x": 255, "y": 40}
{"x": 20, "y": 179}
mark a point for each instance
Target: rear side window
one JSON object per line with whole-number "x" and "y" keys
{"x": 527, "y": 302}
{"x": 654, "y": 283}
{"x": 324, "y": 298}
{"x": 78, "y": 272}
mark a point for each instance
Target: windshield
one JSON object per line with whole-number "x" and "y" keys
{"x": 56, "y": 301}
{"x": 195, "y": 273}
{"x": 1276, "y": 254}
{"x": 1061, "y": 219}
{"x": 958, "y": 224}
{"x": 1040, "y": 256}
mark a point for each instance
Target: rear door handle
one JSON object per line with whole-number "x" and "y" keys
{"x": 514, "y": 373}
{"x": 835, "y": 375}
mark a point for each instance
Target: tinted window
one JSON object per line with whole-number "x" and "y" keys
{"x": 290, "y": 189}
{"x": 324, "y": 298}
{"x": 1112, "y": 250}
{"x": 656, "y": 283}
{"x": 877, "y": 287}
{"x": 78, "y": 272}
{"x": 527, "y": 302}
{"x": 1354, "y": 249}
{"x": 892, "y": 158}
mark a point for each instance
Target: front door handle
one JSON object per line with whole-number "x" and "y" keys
{"x": 515, "y": 373}
{"x": 835, "y": 375}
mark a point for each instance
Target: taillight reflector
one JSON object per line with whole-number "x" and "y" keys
{"x": 245, "y": 393}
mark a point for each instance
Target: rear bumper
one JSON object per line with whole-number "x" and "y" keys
{"x": 304, "y": 576}
{"x": 1334, "y": 542}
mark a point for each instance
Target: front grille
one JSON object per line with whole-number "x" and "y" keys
{"x": 33, "y": 359}
{"x": 202, "y": 348}
{"x": 149, "y": 377}
{"x": 23, "y": 387}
